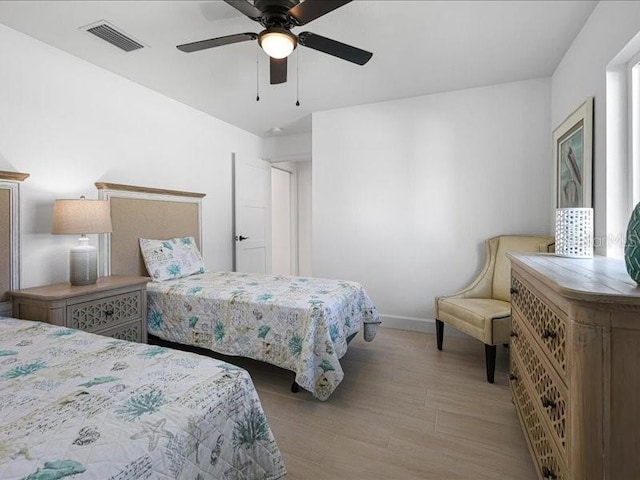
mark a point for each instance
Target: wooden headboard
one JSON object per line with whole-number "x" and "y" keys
{"x": 140, "y": 212}
{"x": 9, "y": 237}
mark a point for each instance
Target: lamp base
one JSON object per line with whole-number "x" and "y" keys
{"x": 83, "y": 263}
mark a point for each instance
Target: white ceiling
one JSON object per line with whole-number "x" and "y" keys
{"x": 420, "y": 47}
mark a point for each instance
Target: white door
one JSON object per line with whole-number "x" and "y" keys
{"x": 252, "y": 183}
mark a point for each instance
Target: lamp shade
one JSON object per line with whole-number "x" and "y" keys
{"x": 81, "y": 216}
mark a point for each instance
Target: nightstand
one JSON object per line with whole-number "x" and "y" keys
{"x": 115, "y": 306}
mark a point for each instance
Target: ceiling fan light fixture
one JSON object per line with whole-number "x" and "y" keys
{"x": 277, "y": 42}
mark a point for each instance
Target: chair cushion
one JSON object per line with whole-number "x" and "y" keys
{"x": 473, "y": 316}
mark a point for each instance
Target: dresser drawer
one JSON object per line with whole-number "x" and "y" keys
{"x": 546, "y": 390}
{"x": 132, "y": 332}
{"x": 105, "y": 312}
{"x": 549, "y": 325}
{"x": 549, "y": 462}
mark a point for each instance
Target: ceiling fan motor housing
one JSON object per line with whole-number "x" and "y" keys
{"x": 275, "y": 13}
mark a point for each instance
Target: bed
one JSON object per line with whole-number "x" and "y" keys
{"x": 297, "y": 323}
{"x": 300, "y": 324}
{"x": 79, "y": 405}
{"x": 75, "y": 403}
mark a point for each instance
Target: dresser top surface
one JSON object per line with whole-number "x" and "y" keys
{"x": 598, "y": 279}
{"x": 66, "y": 290}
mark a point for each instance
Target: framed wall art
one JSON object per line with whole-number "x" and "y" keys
{"x": 573, "y": 158}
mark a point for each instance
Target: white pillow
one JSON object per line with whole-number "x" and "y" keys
{"x": 172, "y": 258}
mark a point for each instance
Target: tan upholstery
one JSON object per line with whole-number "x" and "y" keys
{"x": 482, "y": 310}
{"x": 473, "y": 316}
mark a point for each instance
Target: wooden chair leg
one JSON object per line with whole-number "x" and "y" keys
{"x": 490, "y": 354}
{"x": 439, "y": 333}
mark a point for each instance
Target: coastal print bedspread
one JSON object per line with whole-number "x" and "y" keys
{"x": 82, "y": 406}
{"x": 297, "y": 323}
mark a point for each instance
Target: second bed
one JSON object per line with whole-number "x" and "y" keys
{"x": 297, "y": 323}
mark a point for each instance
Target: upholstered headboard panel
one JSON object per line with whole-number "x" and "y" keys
{"x": 138, "y": 212}
{"x": 9, "y": 236}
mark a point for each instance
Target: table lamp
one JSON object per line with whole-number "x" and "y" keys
{"x": 82, "y": 216}
{"x": 574, "y": 232}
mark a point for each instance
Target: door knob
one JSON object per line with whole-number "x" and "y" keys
{"x": 241, "y": 238}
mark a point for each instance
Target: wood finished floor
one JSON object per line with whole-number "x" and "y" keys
{"x": 403, "y": 411}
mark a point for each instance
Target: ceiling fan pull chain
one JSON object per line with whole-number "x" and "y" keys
{"x": 257, "y": 74}
{"x": 297, "y": 77}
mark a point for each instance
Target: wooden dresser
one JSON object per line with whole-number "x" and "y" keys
{"x": 115, "y": 306}
{"x": 575, "y": 365}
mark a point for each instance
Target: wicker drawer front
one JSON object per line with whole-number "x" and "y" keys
{"x": 131, "y": 332}
{"x": 549, "y": 462}
{"x": 547, "y": 392}
{"x": 549, "y": 326}
{"x": 106, "y": 312}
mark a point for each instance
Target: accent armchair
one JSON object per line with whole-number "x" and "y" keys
{"x": 483, "y": 309}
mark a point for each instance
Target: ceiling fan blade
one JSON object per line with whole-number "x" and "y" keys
{"x": 278, "y": 70}
{"x": 246, "y": 8}
{"x": 217, "y": 42}
{"x": 333, "y": 47}
{"x": 309, "y": 10}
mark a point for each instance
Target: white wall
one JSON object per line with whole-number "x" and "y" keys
{"x": 582, "y": 73}
{"x": 405, "y": 192}
{"x": 287, "y": 148}
{"x": 69, "y": 124}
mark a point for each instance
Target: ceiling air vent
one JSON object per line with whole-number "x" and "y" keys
{"x": 110, "y": 34}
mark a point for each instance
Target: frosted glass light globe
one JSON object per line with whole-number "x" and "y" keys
{"x": 277, "y": 44}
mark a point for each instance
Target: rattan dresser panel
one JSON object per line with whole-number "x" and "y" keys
{"x": 549, "y": 463}
{"x": 575, "y": 352}
{"x": 547, "y": 392}
{"x": 546, "y": 320}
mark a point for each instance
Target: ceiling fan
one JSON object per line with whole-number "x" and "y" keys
{"x": 278, "y": 17}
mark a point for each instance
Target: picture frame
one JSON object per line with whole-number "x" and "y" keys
{"x": 573, "y": 158}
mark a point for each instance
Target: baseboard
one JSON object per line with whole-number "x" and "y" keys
{"x": 412, "y": 324}
{"x": 425, "y": 325}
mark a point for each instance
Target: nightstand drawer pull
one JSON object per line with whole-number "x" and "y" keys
{"x": 548, "y": 403}
{"x": 548, "y": 334}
